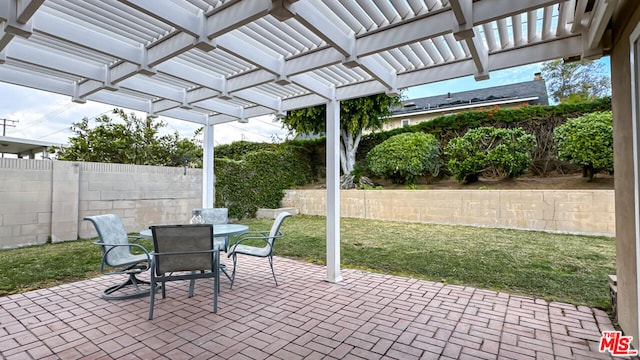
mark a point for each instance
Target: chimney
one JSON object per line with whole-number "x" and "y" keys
{"x": 537, "y": 76}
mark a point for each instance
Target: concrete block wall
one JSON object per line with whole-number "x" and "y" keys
{"x": 44, "y": 199}
{"x": 25, "y": 202}
{"x": 140, "y": 195}
{"x": 589, "y": 212}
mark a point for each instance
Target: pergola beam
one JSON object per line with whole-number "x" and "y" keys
{"x": 600, "y": 17}
{"x": 463, "y": 13}
{"x": 169, "y": 12}
{"x": 194, "y": 27}
{"x": 86, "y": 38}
{"x": 323, "y": 27}
{"x": 25, "y": 9}
{"x": 500, "y": 60}
{"x": 158, "y": 55}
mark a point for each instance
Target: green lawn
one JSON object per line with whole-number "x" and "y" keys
{"x": 556, "y": 267}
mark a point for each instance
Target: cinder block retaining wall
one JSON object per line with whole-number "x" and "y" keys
{"x": 42, "y": 199}
{"x": 589, "y": 212}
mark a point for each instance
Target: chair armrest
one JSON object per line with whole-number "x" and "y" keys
{"x": 242, "y": 238}
{"x": 216, "y": 248}
{"x": 126, "y": 267}
{"x": 134, "y": 238}
{"x": 251, "y": 235}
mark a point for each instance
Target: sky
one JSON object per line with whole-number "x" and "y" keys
{"x": 48, "y": 117}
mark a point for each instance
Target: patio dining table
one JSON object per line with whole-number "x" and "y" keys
{"x": 219, "y": 230}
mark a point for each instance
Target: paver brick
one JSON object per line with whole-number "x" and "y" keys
{"x": 367, "y": 316}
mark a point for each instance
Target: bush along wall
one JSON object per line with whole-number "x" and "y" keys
{"x": 254, "y": 175}
{"x": 536, "y": 120}
{"x": 258, "y": 178}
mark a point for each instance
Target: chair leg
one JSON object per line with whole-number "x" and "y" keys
{"x": 272, "y": 272}
{"x": 131, "y": 280}
{"x": 223, "y": 268}
{"x": 233, "y": 274}
{"x": 192, "y": 284}
{"x": 152, "y": 295}
{"x": 216, "y": 278}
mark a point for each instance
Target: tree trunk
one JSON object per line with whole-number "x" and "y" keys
{"x": 588, "y": 171}
{"x": 348, "y": 148}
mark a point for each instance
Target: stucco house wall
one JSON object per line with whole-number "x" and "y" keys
{"x": 624, "y": 22}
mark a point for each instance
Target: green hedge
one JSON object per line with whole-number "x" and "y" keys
{"x": 536, "y": 120}
{"x": 237, "y": 150}
{"x": 259, "y": 178}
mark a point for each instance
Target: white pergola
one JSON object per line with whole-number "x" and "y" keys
{"x": 215, "y": 61}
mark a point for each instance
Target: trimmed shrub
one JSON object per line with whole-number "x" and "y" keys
{"x": 259, "y": 179}
{"x": 534, "y": 119}
{"x": 489, "y": 148}
{"x": 405, "y": 157}
{"x": 587, "y": 141}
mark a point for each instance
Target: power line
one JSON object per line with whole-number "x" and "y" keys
{"x": 270, "y": 123}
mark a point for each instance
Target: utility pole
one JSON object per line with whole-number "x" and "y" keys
{"x": 7, "y": 123}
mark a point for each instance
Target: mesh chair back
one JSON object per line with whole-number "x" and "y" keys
{"x": 182, "y": 238}
{"x": 111, "y": 230}
{"x": 275, "y": 228}
{"x": 215, "y": 215}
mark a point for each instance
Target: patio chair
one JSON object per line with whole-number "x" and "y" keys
{"x": 268, "y": 237}
{"x": 217, "y": 216}
{"x": 184, "y": 252}
{"x": 117, "y": 257}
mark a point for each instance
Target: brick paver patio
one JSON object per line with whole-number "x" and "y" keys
{"x": 367, "y": 316}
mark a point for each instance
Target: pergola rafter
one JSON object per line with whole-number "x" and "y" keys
{"x": 375, "y": 47}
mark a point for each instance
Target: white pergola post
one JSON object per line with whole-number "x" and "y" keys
{"x": 333, "y": 191}
{"x": 208, "y": 176}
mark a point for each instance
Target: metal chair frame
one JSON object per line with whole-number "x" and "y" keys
{"x": 125, "y": 262}
{"x": 268, "y": 237}
{"x": 188, "y": 264}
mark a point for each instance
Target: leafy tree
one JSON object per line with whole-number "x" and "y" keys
{"x": 488, "y": 148}
{"x": 128, "y": 140}
{"x": 575, "y": 81}
{"x": 355, "y": 115}
{"x": 405, "y": 157}
{"x": 587, "y": 141}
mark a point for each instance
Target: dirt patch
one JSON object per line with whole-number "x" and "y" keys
{"x": 558, "y": 182}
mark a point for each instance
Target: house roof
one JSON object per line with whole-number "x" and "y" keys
{"x": 532, "y": 92}
{"x": 21, "y": 147}
{"x": 213, "y": 61}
